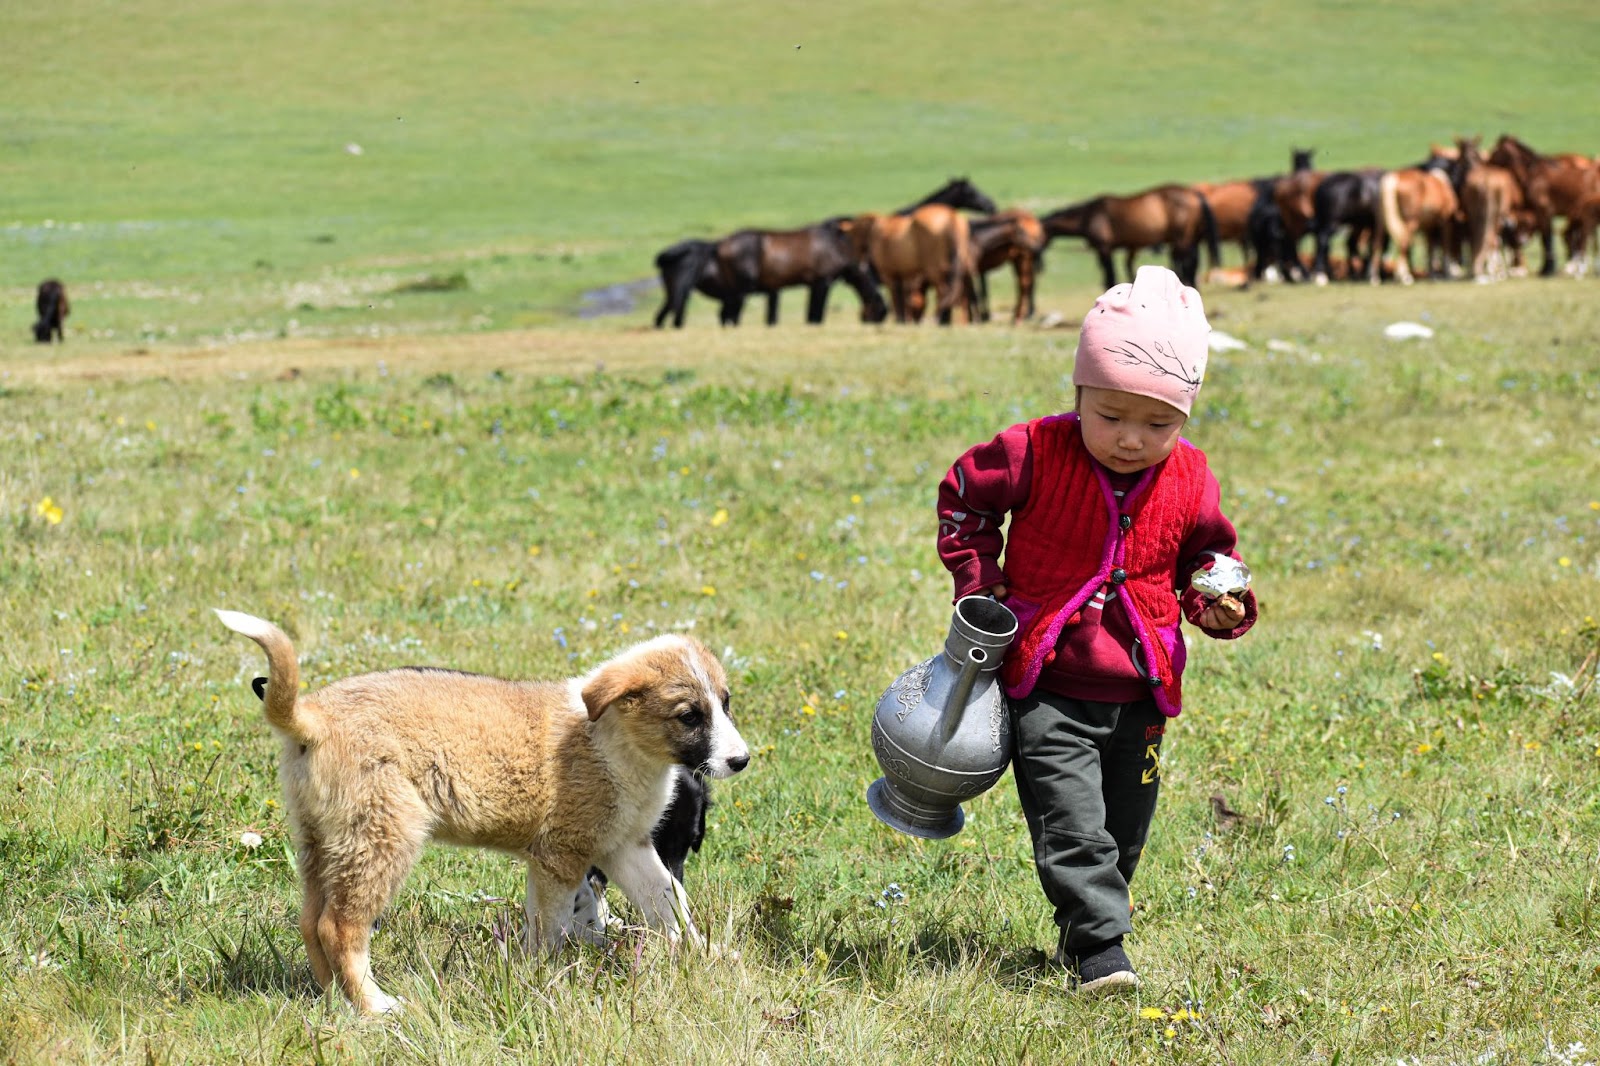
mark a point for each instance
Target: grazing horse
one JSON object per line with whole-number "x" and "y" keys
{"x": 685, "y": 267}
{"x": 1491, "y": 199}
{"x": 1174, "y": 215}
{"x": 932, "y": 245}
{"x": 765, "y": 261}
{"x": 1294, "y": 196}
{"x": 768, "y": 261}
{"x": 1412, "y": 200}
{"x": 53, "y": 308}
{"x": 1551, "y": 185}
{"x": 1014, "y": 237}
{"x": 1347, "y": 198}
{"x": 959, "y": 193}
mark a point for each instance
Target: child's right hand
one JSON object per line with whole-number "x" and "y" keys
{"x": 997, "y": 591}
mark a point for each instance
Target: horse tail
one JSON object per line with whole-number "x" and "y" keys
{"x": 1208, "y": 229}
{"x": 1389, "y": 218}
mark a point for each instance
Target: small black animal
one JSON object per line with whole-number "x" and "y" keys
{"x": 53, "y": 310}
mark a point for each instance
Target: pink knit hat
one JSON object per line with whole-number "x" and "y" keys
{"x": 1149, "y": 338}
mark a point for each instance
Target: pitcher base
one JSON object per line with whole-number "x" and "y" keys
{"x": 882, "y": 800}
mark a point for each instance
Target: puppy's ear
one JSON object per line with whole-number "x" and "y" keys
{"x": 614, "y": 682}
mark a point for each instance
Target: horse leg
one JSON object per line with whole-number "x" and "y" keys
{"x": 732, "y": 308}
{"x": 817, "y": 305}
{"x": 1108, "y": 270}
{"x": 1022, "y": 271}
{"x": 1319, "y": 264}
{"x": 1128, "y": 261}
{"x": 1547, "y": 236}
{"x": 772, "y": 307}
{"x": 980, "y": 295}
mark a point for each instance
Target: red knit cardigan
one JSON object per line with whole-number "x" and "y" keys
{"x": 1062, "y": 547}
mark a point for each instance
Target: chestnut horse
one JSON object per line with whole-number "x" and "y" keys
{"x": 1294, "y": 195}
{"x": 1174, "y": 215}
{"x": 1552, "y": 186}
{"x": 1412, "y": 200}
{"x": 931, "y": 245}
{"x": 1014, "y": 237}
{"x": 1231, "y": 202}
{"x": 1491, "y": 201}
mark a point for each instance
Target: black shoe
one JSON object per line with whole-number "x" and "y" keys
{"x": 1102, "y": 968}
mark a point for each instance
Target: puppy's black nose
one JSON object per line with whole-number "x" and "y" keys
{"x": 738, "y": 762}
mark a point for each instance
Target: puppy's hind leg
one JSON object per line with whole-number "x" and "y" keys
{"x": 358, "y": 881}
{"x": 647, "y": 883}
{"x": 309, "y": 856}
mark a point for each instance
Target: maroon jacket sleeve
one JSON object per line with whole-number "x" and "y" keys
{"x": 980, "y": 490}
{"x": 1212, "y": 533}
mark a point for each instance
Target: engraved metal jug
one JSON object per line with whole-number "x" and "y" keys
{"x": 941, "y": 732}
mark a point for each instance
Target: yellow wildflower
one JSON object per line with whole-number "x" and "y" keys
{"x": 1423, "y": 749}
{"x": 720, "y": 518}
{"x": 708, "y": 590}
{"x": 1153, "y": 1013}
{"x": 1563, "y": 561}
{"x": 534, "y": 549}
{"x": 48, "y": 510}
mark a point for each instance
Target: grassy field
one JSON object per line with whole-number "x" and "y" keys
{"x": 260, "y": 408}
{"x": 1417, "y": 869}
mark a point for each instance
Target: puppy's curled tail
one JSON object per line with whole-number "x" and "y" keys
{"x": 283, "y": 673}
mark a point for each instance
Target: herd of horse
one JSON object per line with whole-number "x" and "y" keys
{"x": 1473, "y": 210}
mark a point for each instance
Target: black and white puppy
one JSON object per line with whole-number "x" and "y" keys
{"x": 681, "y": 830}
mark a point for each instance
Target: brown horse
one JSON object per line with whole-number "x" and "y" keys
{"x": 768, "y": 261}
{"x": 1230, "y": 202}
{"x": 1417, "y": 199}
{"x": 1553, "y": 186}
{"x": 1014, "y": 237}
{"x": 930, "y": 246}
{"x": 1295, "y": 195}
{"x": 1581, "y": 225}
{"x": 1174, "y": 215}
{"x": 1491, "y": 201}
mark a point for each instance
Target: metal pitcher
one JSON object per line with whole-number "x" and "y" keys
{"x": 941, "y": 732}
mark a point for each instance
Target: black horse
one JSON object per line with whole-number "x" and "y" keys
{"x": 51, "y": 303}
{"x": 1268, "y": 236}
{"x": 685, "y": 267}
{"x": 958, "y": 193}
{"x": 1347, "y": 198}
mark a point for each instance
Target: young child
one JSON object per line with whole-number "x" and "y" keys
{"x": 1111, "y": 513}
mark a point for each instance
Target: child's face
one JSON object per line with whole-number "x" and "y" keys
{"x": 1126, "y": 432}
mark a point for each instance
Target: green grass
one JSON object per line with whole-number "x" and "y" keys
{"x": 398, "y": 472}
{"x": 384, "y": 508}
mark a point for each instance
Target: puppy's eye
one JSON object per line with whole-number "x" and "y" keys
{"x": 691, "y": 718}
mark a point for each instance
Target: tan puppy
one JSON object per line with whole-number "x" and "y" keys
{"x": 564, "y": 775}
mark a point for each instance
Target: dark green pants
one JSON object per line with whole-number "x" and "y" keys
{"x": 1088, "y": 774}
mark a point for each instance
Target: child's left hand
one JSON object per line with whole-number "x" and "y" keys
{"x": 1225, "y": 612}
